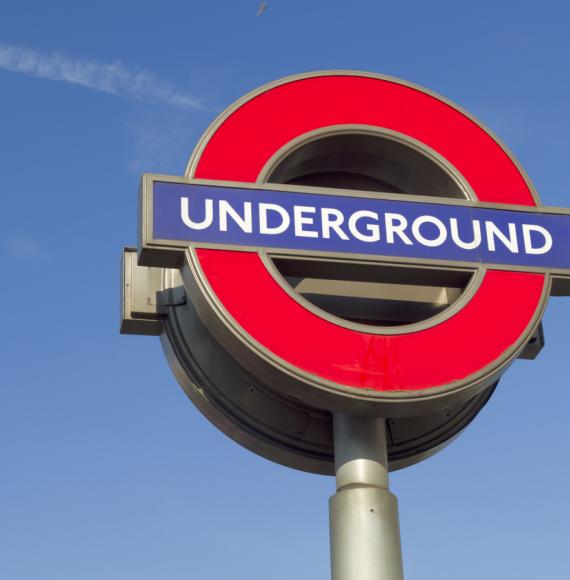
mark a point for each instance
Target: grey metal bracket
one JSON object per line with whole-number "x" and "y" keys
{"x": 142, "y": 311}
{"x": 534, "y": 345}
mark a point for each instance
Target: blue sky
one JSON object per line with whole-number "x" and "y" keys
{"x": 107, "y": 470}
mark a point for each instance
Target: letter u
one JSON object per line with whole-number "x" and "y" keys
{"x": 208, "y": 214}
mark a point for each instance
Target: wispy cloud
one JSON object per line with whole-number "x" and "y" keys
{"x": 23, "y": 247}
{"x": 160, "y": 141}
{"x": 114, "y": 78}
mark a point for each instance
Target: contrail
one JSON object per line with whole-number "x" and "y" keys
{"x": 113, "y": 78}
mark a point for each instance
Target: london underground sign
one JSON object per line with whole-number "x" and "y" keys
{"x": 345, "y": 244}
{"x": 509, "y": 243}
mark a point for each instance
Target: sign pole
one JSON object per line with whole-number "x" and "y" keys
{"x": 364, "y": 528}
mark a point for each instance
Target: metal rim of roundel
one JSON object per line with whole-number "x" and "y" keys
{"x": 475, "y": 343}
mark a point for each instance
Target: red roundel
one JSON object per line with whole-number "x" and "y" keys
{"x": 468, "y": 344}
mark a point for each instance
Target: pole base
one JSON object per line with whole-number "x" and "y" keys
{"x": 365, "y": 535}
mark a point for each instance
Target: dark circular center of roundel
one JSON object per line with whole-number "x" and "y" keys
{"x": 367, "y": 292}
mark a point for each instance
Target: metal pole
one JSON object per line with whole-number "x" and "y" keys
{"x": 364, "y": 528}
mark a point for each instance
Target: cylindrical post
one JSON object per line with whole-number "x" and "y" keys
{"x": 364, "y": 528}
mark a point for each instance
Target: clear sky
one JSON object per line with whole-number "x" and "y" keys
{"x": 106, "y": 469}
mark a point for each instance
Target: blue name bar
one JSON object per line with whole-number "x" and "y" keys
{"x": 329, "y": 222}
